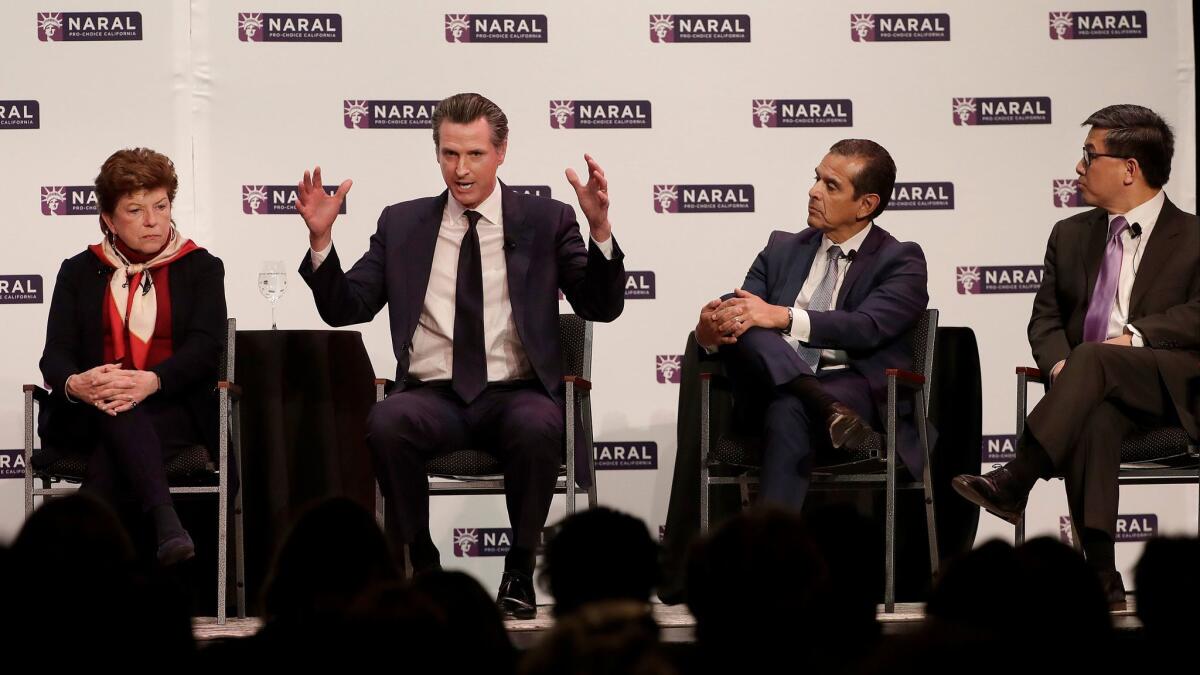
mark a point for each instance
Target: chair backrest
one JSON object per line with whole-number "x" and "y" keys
{"x": 575, "y": 341}
{"x": 924, "y": 336}
{"x": 226, "y": 369}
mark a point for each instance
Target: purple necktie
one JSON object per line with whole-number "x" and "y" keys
{"x": 1095, "y": 325}
{"x": 469, "y": 376}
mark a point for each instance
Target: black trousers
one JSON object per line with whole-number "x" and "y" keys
{"x": 128, "y": 462}
{"x": 515, "y": 421}
{"x": 1103, "y": 393}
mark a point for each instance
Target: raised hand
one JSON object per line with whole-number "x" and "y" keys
{"x": 593, "y": 198}
{"x": 319, "y": 209}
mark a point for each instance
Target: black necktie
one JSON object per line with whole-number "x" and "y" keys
{"x": 470, "y": 360}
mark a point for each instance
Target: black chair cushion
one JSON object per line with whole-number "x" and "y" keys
{"x": 464, "y": 463}
{"x": 746, "y": 451}
{"x": 1155, "y": 445}
{"x": 190, "y": 466}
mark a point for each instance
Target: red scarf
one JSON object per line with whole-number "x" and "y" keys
{"x": 137, "y": 304}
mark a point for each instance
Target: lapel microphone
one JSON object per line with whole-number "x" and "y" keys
{"x": 510, "y": 244}
{"x": 852, "y": 255}
{"x": 1136, "y": 230}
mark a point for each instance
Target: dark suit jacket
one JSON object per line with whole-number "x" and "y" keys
{"x": 547, "y": 253}
{"x": 880, "y": 301}
{"x": 75, "y": 341}
{"x": 1164, "y": 305}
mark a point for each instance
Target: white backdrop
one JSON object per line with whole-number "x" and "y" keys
{"x": 234, "y": 111}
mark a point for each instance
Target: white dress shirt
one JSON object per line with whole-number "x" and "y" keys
{"x": 1145, "y": 215}
{"x": 801, "y": 325}
{"x": 433, "y": 342}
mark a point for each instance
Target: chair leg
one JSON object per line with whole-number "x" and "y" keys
{"x": 744, "y": 489}
{"x": 223, "y": 506}
{"x": 889, "y": 542}
{"x": 239, "y": 533}
{"x": 927, "y": 482}
{"x": 704, "y": 448}
{"x": 379, "y": 506}
{"x": 28, "y": 457}
{"x": 569, "y": 449}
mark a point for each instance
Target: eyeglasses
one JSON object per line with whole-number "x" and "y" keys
{"x": 1088, "y": 156}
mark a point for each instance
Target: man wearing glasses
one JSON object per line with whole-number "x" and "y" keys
{"x": 1116, "y": 324}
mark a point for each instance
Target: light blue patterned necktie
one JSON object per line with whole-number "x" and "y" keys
{"x": 822, "y": 301}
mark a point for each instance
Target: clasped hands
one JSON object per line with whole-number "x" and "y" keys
{"x": 112, "y": 389}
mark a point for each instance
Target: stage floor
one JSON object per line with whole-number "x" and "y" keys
{"x": 677, "y": 623}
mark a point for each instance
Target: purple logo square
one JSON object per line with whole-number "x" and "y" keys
{"x": 662, "y": 28}
{"x": 862, "y": 27}
{"x": 250, "y": 27}
{"x": 668, "y": 368}
{"x": 1067, "y": 193}
{"x": 458, "y": 28}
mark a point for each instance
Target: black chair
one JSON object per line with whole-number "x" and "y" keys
{"x": 191, "y": 471}
{"x": 1157, "y": 456}
{"x": 869, "y": 468}
{"x": 471, "y": 472}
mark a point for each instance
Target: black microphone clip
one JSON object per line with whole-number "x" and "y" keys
{"x": 1136, "y": 229}
{"x": 510, "y": 244}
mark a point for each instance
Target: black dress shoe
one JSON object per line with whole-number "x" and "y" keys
{"x": 997, "y": 491}
{"x": 846, "y": 429}
{"x": 1114, "y": 590}
{"x": 516, "y": 598}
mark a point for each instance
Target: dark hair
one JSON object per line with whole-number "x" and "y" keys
{"x": 334, "y": 553}
{"x": 599, "y": 554}
{"x": 878, "y": 174}
{"x": 466, "y": 108}
{"x": 130, "y": 170}
{"x": 1139, "y": 133}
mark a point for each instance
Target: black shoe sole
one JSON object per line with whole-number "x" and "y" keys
{"x": 964, "y": 490}
{"x": 517, "y": 609}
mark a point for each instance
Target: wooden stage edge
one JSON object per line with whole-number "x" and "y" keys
{"x": 676, "y": 622}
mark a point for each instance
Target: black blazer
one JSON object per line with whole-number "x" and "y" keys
{"x": 75, "y": 341}
{"x": 546, "y": 254}
{"x": 1164, "y": 304}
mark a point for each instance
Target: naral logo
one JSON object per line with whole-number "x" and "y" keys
{"x": 363, "y": 114}
{"x": 496, "y": 28}
{"x": 699, "y": 28}
{"x": 1003, "y": 279}
{"x": 998, "y": 449}
{"x": 265, "y": 27}
{"x": 899, "y": 27}
{"x": 1067, "y": 194}
{"x": 639, "y": 285}
{"x": 627, "y": 455}
{"x": 669, "y": 368}
{"x": 20, "y": 115}
{"x": 1005, "y": 110}
{"x": 1136, "y": 527}
{"x": 532, "y": 190}
{"x": 837, "y": 112}
{"x": 20, "y": 289}
{"x": 703, "y": 198}
{"x": 600, "y": 114}
{"x": 481, "y": 541}
{"x": 69, "y": 200}
{"x": 89, "y": 26}
{"x": 1098, "y": 25}
{"x": 12, "y": 463}
{"x": 921, "y": 196}
{"x": 276, "y": 199}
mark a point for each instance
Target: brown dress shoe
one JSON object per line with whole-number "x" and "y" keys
{"x": 846, "y": 429}
{"x": 997, "y": 491}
